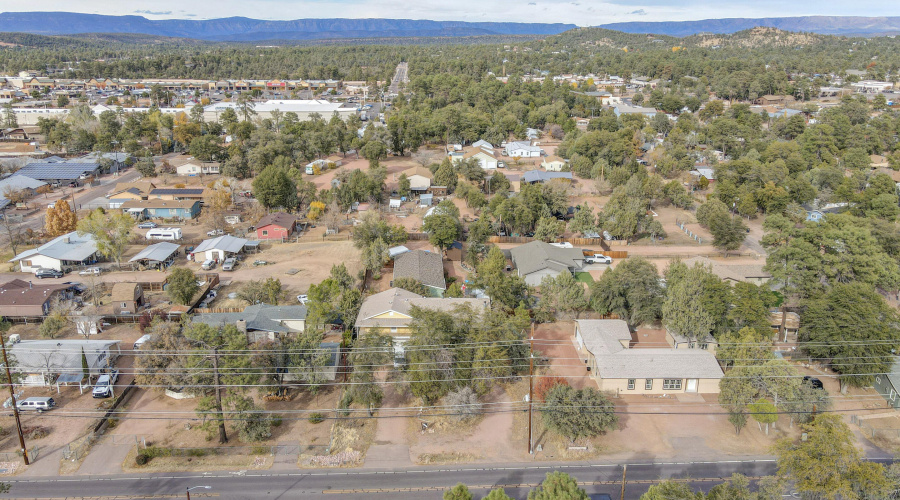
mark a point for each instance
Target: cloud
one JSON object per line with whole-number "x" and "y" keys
{"x": 639, "y": 12}
{"x": 532, "y": 3}
{"x": 154, "y": 12}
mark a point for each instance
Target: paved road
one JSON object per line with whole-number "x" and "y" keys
{"x": 397, "y": 484}
{"x": 401, "y": 75}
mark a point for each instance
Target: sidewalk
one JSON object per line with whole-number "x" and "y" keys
{"x": 104, "y": 458}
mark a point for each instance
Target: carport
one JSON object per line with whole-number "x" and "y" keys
{"x": 71, "y": 379}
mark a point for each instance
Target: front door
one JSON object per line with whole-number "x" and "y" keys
{"x": 692, "y": 385}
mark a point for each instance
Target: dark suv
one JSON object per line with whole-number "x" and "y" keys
{"x": 813, "y": 381}
{"x": 48, "y": 273}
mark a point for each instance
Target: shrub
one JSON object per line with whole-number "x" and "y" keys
{"x": 544, "y": 384}
{"x": 316, "y": 418}
{"x": 466, "y": 404}
{"x": 142, "y": 459}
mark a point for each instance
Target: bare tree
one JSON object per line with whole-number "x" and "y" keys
{"x": 12, "y": 228}
{"x": 90, "y": 319}
{"x": 332, "y": 217}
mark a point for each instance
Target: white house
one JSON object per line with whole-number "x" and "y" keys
{"x": 41, "y": 361}
{"x": 486, "y": 159}
{"x": 483, "y": 144}
{"x": 523, "y": 149}
{"x": 196, "y": 167}
{"x": 219, "y": 249}
{"x": 59, "y": 253}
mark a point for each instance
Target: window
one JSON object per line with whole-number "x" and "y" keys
{"x": 265, "y": 232}
{"x": 671, "y": 384}
{"x": 631, "y": 384}
{"x": 877, "y": 380}
{"x": 691, "y": 345}
{"x": 704, "y": 346}
{"x": 648, "y": 384}
{"x": 394, "y": 330}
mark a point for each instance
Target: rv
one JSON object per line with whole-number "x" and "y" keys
{"x": 164, "y": 233}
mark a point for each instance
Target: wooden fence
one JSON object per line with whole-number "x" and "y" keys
{"x": 208, "y": 310}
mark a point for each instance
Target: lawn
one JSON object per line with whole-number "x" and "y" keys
{"x": 584, "y": 277}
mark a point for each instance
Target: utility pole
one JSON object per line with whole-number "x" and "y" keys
{"x": 12, "y": 395}
{"x": 223, "y": 438}
{"x": 624, "y": 470}
{"x": 530, "y": 388}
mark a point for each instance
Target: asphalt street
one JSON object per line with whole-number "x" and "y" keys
{"x": 597, "y": 479}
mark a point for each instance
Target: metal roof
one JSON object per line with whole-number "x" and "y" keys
{"x": 20, "y": 182}
{"x": 157, "y": 253}
{"x": 226, "y": 242}
{"x": 70, "y": 247}
{"x": 60, "y": 356}
{"x": 542, "y": 176}
{"x": 59, "y": 170}
{"x": 177, "y": 191}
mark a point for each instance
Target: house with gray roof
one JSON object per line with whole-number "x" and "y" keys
{"x": 260, "y": 321}
{"x": 537, "y": 259}
{"x": 888, "y": 384}
{"x": 41, "y": 361}
{"x": 222, "y": 247}
{"x": 617, "y": 365}
{"x": 59, "y": 253}
{"x": 534, "y": 176}
{"x": 425, "y": 267}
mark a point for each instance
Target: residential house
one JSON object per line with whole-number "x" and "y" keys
{"x": 127, "y": 191}
{"x": 553, "y": 164}
{"x": 391, "y": 312}
{"x": 815, "y": 213}
{"x": 260, "y": 321}
{"x": 24, "y": 298}
{"x": 625, "y": 109}
{"x": 59, "y": 253}
{"x": 127, "y": 298}
{"x": 176, "y": 194}
{"x": 219, "y": 249}
{"x": 485, "y": 158}
{"x": 22, "y": 184}
{"x": 276, "y": 226}
{"x": 159, "y": 255}
{"x": 532, "y": 134}
{"x": 523, "y": 149}
{"x": 678, "y": 341}
{"x": 773, "y": 100}
{"x": 535, "y": 176}
{"x": 483, "y": 144}
{"x": 164, "y": 209}
{"x": 13, "y": 134}
{"x": 193, "y": 167}
{"x": 791, "y": 325}
{"x": 888, "y": 384}
{"x": 610, "y": 359}
{"x": 733, "y": 273}
{"x": 419, "y": 179}
{"x": 425, "y": 267}
{"x": 317, "y": 166}
{"x": 707, "y": 173}
{"x": 42, "y": 361}
{"x": 537, "y": 259}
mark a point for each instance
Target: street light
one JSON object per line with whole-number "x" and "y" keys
{"x": 188, "y": 492}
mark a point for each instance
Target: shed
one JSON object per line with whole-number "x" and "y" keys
{"x": 160, "y": 255}
{"x": 219, "y": 249}
{"x": 127, "y": 298}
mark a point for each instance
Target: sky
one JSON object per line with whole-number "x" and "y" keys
{"x": 580, "y": 12}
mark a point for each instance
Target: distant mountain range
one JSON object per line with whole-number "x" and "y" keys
{"x": 243, "y": 29}
{"x": 824, "y": 25}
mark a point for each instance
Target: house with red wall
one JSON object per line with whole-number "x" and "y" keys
{"x": 276, "y": 226}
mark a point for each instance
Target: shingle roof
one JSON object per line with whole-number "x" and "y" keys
{"x": 537, "y": 255}
{"x": 425, "y": 267}
{"x": 154, "y": 204}
{"x": 734, "y": 272}
{"x": 71, "y": 247}
{"x": 401, "y": 301}
{"x": 158, "y": 252}
{"x": 542, "y": 176}
{"x": 176, "y": 191}
{"x": 19, "y": 292}
{"x": 604, "y": 338}
{"x": 279, "y": 219}
{"x": 125, "y": 291}
{"x": 226, "y": 242}
{"x": 259, "y": 317}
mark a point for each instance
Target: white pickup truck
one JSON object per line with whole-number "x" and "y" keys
{"x": 104, "y": 386}
{"x": 597, "y": 259}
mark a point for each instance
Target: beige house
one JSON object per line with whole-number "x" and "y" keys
{"x": 553, "y": 164}
{"x": 419, "y": 179}
{"x": 127, "y": 298}
{"x": 486, "y": 159}
{"x": 391, "y": 311}
{"x": 606, "y": 348}
{"x": 733, "y": 273}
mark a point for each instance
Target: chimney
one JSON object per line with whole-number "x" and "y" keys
{"x": 66, "y": 239}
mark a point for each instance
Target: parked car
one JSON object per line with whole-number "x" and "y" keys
{"x": 89, "y": 271}
{"x": 104, "y": 386}
{"x": 597, "y": 259}
{"x": 813, "y": 381}
{"x": 48, "y": 273}
{"x": 208, "y": 264}
{"x": 229, "y": 264}
{"x": 303, "y": 299}
{"x": 141, "y": 341}
{"x": 36, "y": 404}
{"x": 147, "y": 225}
{"x": 215, "y": 232}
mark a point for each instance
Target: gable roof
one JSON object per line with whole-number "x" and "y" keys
{"x": 401, "y": 301}
{"x": 425, "y": 267}
{"x": 479, "y": 151}
{"x": 542, "y": 176}
{"x": 60, "y": 356}
{"x": 141, "y": 186}
{"x": 125, "y": 291}
{"x": 182, "y": 191}
{"x": 537, "y": 255}
{"x": 259, "y": 317}
{"x": 155, "y": 204}
{"x": 19, "y": 292}
{"x": 71, "y": 247}
{"x": 225, "y": 242}
{"x": 20, "y": 182}
{"x": 418, "y": 170}
{"x": 158, "y": 252}
{"x": 604, "y": 338}
{"x": 280, "y": 219}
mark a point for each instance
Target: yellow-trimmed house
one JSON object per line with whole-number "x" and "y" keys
{"x": 605, "y": 347}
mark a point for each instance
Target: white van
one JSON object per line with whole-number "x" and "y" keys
{"x": 141, "y": 341}
{"x": 36, "y": 404}
{"x": 164, "y": 233}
